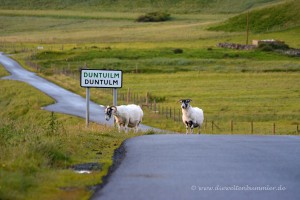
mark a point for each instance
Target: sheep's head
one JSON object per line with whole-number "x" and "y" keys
{"x": 109, "y": 111}
{"x": 185, "y": 103}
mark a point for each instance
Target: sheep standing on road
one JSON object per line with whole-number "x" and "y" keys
{"x": 191, "y": 117}
{"x": 125, "y": 116}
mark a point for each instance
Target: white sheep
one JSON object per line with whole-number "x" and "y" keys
{"x": 125, "y": 116}
{"x": 191, "y": 117}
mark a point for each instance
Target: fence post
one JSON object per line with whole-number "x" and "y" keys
{"x": 274, "y": 129}
{"x": 174, "y": 114}
{"x": 128, "y": 96}
{"x": 231, "y": 126}
{"x": 167, "y": 112}
{"x": 147, "y": 99}
{"x": 297, "y": 128}
{"x": 212, "y": 126}
{"x": 251, "y": 127}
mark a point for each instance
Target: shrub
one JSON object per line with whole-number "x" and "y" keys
{"x": 154, "y": 17}
{"x": 273, "y": 46}
{"x": 178, "y": 51}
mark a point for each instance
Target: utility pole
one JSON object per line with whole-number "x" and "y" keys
{"x": 247, "y": 29}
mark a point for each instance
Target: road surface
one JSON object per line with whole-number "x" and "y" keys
{"x": 195, "y": 167}
{"x": 175, "y": 166}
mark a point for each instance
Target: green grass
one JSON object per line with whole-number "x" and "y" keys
{"x": 242, "y": 97}
{"x": 262, "y": 97}
{"x": 3, "y": 72}
{"x": 66, "y": 27}
{"x": 242, "y": 86}
{"x": 180, "y": 6}
{"x": 274, "y": 18}
{"x": 36, "y": 156}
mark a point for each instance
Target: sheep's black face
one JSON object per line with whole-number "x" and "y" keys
{"x": 108, "y": 112}
{"x": 185, "y": 103}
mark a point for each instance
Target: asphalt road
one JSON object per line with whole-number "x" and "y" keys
{"x": 187, "y": 166}
{"x": 207, "y": 167}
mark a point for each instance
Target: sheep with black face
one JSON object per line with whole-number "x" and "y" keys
{"x": 192, "y": 117}
{"x": 126, "y": 116}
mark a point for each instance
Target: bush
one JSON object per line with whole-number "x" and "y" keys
{"x": 178, "y": 51}
{"x": 273, "y": 46}
{"x": 154, "y": 17}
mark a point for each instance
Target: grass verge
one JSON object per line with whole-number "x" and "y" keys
{"x": 38, "y": 149}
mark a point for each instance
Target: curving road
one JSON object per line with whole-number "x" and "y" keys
{"x": 187, "y": 167}
{"x": 66, "y": 101}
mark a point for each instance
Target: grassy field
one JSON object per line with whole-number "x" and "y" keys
{"x": 233, "y": 87}
{"x": 262, "y": 98}
{"x": 246, "y": 97}
{"x": 38, "y": 150}
{"x": 147, "y": 51}
{"x": 177, "y": 6}
{"x": 274, "y": 18}
{"x": 94, "y": 27}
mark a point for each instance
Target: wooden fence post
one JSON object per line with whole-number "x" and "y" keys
{"x": 274, "y": 129}
{"x": 167, "y": 112}
{"x": 251, "y": 127}
{"x": 174, "y": 114}
{"x": 128, "y": 96}
{"x": 147, "y": 99}
{"x": 231, "y": 126}
{"x": 158, "y": 108}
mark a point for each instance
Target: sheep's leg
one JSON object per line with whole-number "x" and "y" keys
{"x": 186, "y": 127}
{"x": 192, "y": 129}
{"x": 126, "y": 128}
{"x": 119, "y": 128}
{"x": 187, "y": 130}
{"x": 136, "y": 129}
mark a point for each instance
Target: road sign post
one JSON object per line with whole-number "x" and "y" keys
{"x": 94, "y": 78}
{"x": 115, "y": 97}
{"x": 87, "y": 113}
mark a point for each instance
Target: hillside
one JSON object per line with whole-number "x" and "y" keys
{"x": 275, "y": 18}
{"x": 178, "y": 6}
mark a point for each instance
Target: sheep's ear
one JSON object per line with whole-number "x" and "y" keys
{"x": 189, "y": 100}
{"x": 180, "y": 101}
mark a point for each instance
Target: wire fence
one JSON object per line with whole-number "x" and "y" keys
{"x": 157, "y": 107}
{"x": 211, "y": 126}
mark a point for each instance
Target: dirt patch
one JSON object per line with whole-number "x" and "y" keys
{"x": 119, "y": 155}
{"x": 87, "y": 167}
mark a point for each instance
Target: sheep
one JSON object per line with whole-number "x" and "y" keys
{"x": 125, "y": 116}
{"x": 191, "y": 117}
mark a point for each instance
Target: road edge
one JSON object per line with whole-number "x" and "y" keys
{"x": 118, "y": 157}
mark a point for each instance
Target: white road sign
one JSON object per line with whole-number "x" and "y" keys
{"x": 101, "y": 78}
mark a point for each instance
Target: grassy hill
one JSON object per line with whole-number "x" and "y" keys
{"x": 274, "y": 18}
{"x": 179, "y": 6}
